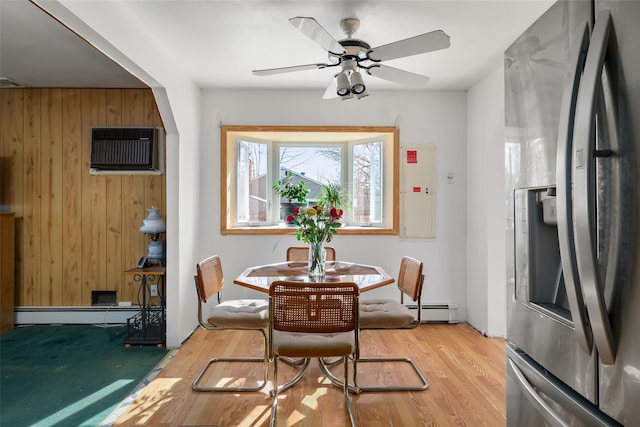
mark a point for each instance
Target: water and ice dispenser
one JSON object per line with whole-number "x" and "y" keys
{"x": 539, "y": 280}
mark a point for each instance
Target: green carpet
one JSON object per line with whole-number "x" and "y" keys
{"x": 72, "y": 375}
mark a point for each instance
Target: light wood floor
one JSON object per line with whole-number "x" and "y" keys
{"x": 465, "y": 370}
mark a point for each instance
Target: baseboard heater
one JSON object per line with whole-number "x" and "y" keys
{"x": 436, "y": 313}
{"x": 27, "y": 315}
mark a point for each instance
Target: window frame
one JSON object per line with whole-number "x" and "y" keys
{"x": 268, "y": 180}
{"x": 278, "y": 134}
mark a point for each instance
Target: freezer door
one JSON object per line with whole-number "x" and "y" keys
{"x": 544, "y": 316}
{"x": 536, "y": 398}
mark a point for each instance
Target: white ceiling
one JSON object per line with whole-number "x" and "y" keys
{"x": 218, "y": 43}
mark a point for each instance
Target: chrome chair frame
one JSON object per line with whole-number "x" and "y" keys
{"x": 416, "y": 291}
{"x": 201, "y": 289}
{"x": 424, "y": 384}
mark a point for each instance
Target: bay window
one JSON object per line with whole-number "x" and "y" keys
{"x": 362, "y": 160}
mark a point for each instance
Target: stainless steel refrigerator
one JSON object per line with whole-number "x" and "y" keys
{"x": 572, "y": 86}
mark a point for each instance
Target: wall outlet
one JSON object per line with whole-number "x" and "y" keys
{"x": 154, "y": 290}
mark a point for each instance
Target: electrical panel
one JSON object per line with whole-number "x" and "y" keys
{"x": 418, "y": 192}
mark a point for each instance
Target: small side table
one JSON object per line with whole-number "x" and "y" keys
{"x": 148, "y": 327}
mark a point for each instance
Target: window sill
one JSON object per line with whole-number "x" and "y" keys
{"x": 279, "y": 229}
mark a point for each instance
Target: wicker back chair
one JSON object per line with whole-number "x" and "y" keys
{"x": 391, "y": 314}
{"x": 313, "y": 320}
{"x": 301, "y": 253}
{"x": 249, "y": 314}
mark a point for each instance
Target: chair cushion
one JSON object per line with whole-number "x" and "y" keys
{"x": 385, "y": 314}
{"x": 294, "y": 344}
{"x": 241, "y": 314}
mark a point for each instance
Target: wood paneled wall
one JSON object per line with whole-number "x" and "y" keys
{"x": 75, "y": 232}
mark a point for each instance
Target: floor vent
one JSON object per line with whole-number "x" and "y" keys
{"x": 104, "y": 298}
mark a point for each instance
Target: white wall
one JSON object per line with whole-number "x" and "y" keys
{"x": 422, "y": 118}
{"x": 486, "y": 268}
{"x": 470, "y": 223}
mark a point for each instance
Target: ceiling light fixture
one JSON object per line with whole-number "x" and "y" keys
{"x": 349, "y": 82}
{"x": 357, "y": 83}
{"x": 342, "y": 84}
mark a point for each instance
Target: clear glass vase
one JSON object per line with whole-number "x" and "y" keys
{"x": 317, "y": 257}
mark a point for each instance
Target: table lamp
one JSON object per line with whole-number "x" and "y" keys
{"x": 153, "y": 225}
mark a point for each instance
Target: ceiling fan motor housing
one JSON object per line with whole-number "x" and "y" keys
{"x": 357, "y": 51}
{"x": 355, "y": 47}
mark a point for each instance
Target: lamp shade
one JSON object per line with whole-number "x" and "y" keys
{"x": 153, "y": 223}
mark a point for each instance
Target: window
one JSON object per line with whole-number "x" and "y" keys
{"x": 363, "y": 160}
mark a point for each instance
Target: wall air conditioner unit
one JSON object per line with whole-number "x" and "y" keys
{"x": 127, "y": 151}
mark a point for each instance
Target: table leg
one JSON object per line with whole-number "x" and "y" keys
{"x": 149, "y": 325}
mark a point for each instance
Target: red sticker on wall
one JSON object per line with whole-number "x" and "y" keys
{"x": 417, "y": 189}
{"x": 412, "y": 156}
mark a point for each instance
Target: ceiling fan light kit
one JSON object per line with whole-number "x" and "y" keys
{"x": 353, "y": 55}
{"x": 342, "y": 81}
{"x": 357, "y": 83}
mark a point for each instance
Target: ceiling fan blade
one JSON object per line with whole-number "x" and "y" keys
{"x": 310, "y": 28}
{"x": 282, "y": 70}
{"x": 397, "y": 76}
{"x": 332, "y": 89}
{"x": 424, "y": 43}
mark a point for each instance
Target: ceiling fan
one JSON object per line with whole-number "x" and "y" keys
{"x": 353, "y": 56}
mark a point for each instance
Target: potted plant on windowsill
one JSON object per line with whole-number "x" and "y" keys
{"x": 295, "y": 194}
{"x": 334, "y": 196}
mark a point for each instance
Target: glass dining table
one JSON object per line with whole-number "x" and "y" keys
{"x": 260, "y": 277}
{"x": 367, "y": 277}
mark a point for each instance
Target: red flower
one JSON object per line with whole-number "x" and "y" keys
{"x": 296, "y": 211}
{"x": 290, "y": 217}
{"x": 336, "y": 213}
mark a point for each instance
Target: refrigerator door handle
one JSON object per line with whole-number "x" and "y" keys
{"x": 584, "y": 191}
{"x": 563, "y": 192}
{"x": 541, "y": 406}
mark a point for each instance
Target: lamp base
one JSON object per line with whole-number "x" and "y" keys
{"x": 145, "y": 262}
{"x": 155, "y": 250}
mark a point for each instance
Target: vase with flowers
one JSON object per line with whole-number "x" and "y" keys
{"x": 316, "y": 225}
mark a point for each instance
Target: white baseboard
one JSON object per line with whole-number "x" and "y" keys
{"x": 436, "y": 313}
{"x": 26, "y": 315}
